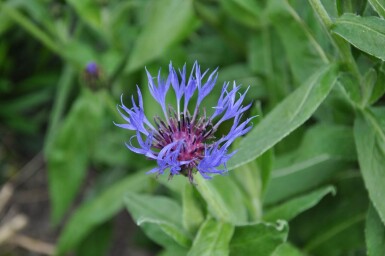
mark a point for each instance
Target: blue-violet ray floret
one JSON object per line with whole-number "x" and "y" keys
{"x": 185, "y": 143}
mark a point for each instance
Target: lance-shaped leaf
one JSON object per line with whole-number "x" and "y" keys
{"x": 258, "y": 239}
{"x": 94, "y": 212}
{"x": 70, "y": 150}
{"x": 365, "y": 33}
{"x": 168, "y": 22}
{"x": 369, "y": 133}
{"x": 374, "y": 233}
{"x": 158, "y": 212}
{"x": 379, "y": 6}
{"x": 286, "y": 116}
{"x": 293, "y": 207}
{"x": 212, "y": 239}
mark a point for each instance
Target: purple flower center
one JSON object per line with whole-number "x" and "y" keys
{"x": 193, "y": 135}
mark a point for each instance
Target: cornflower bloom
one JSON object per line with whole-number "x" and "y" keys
{"x": 181, "y": 142}
{"x": 92, "y": 75}
{"x": 92, "y": 68}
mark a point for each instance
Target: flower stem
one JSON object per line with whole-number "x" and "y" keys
{"x": 342, "y": 46}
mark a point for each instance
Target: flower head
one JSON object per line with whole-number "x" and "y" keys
{"x": 92, "y": 69}
{"x": 181, "y": 142}
{"x": 93, "y": 75}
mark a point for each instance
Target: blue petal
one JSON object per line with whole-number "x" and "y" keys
{"x": 208, "y": 86}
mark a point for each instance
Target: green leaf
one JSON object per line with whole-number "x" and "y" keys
{"x": 69, "y": 153}
{"x": 159, "y": 236}
{"x": 287, "y": 249}
{"x": 378, "y": 6}
{"x": 224, "y": 199}
{"x": 169, "y": 22}
{"x": 176, "y": 185}
{"x": 286, "y": 117}
{"x": 374, "y": 234}
{"x": 265, "y": 58}
{"x": 98, "y": 241}
{"x": 113, "y": 141}
{"x": 369, "y": 81}
{"x": 64, "y": 85}
{"x": 253, "y": 178}
{"x": 350, "y": 87}
{"x": 350, "y": 6}
{"x": 212, "y": 239}
{"x": 265, "y": 163}
{"x": 90, "y": 11}
{"x": 369, "y": 133}
{"x": 173, "y": 251}
{"x": 247, "y": 12}
{"x": 26, "y": 23}
{"x": 290, "y": 209}
{"x": 244, "y": 76}
{"x": 325, "y": 150}
{"x": 365, "y": 33}
{"x": 339, "y": 237}
{"x": 97, "y": 211}
{"x": 5, "y": 22}
{"x": 379, "y": 86}
{"x": 258, "y": 239}
{"x": 335, "y": 226}
{"x": 193, "y": 215}
{"x": 260, "y": 58}
{"x": 304, "y": 54}
{"x": 23, "y": 103}
{"x": 78, "y": 53}
{"x": 334, "y": 140}
{"x": 158, "y": 211}
{"x": 249, "y": 179}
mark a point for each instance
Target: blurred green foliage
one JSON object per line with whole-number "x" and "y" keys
{"x": 315, "y": 69}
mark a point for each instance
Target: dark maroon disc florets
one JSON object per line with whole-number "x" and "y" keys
{"x": 194, "y": 134}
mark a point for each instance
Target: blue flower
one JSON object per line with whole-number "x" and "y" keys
{"x": 185, "y": 143}
{"x": 92, "y": 68}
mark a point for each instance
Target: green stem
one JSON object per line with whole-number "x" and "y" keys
{"x": 342, "y": 46}
{"x": 322, "y": 13}
{"x": 216, "y": 204}
{"x": 24, "y": 22}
